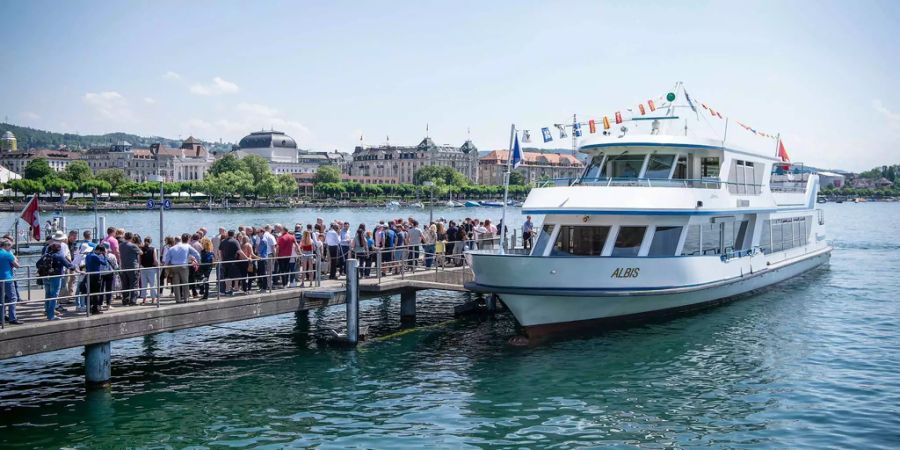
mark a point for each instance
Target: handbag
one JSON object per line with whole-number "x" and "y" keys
{"x": 251, "y": 267}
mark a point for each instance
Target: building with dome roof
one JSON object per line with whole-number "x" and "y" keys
{"x": 8, "y": 142}
{"x": 400, "y": 162}
{"x": 281, "y": 151}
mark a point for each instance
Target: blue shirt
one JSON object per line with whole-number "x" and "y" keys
{"x": 6, "y": 267}
{"x": 94, "y": 262}
{"x": 178, "y": 255}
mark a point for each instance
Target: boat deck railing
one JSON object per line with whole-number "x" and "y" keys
{"x": 691, "y": 183}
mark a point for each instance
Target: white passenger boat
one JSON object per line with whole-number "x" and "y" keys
{"x": 656, "y": 224}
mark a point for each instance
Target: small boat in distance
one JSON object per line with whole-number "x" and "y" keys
{"x": 472, "y": 204}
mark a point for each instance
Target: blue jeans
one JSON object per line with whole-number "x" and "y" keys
{"x": 9, "y": 288}
{"x": 51, "y": 291}
{"x": 429, "y": 254}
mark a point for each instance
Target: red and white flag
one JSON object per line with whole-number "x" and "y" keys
{"x": 782, "y": 153}
{"x": 32, "y": 215}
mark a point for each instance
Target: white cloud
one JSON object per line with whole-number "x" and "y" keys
{"x": 255, "y": 109}
{"x": 892, "y": 117}
{"x": 171, "y": 76}
{"x": 218, "y": 86}
{"x": 109, "y": 104}
{"x": 150, "y": 100}
{"x": 31, "y": 115}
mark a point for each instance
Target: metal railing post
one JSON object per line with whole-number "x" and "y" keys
{"x": 318, "y": 267}
{"x": 219, "y": 281}
{"x": 88, "y": 302}
{"x": 378, "y": 265}
{"x": 28, "y": 281}
{"x": 3, "y": 304}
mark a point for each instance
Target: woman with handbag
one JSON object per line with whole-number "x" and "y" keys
{"x": 248, "y": 267}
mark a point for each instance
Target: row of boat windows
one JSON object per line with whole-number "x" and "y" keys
{"x": 715, "y": 238}
{"x": 658, "y": 166}
{"x": 784, "y": 234}
{"x": 589, "y": 240}
{"x": 703, "y": 239}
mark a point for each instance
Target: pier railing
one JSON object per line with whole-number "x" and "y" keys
{"x": 144, "y": 286}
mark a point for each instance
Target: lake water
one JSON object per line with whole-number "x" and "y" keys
{"x": 811, "y": 363}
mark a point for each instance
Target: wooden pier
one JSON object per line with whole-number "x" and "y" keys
{"x": 38, "y": 335}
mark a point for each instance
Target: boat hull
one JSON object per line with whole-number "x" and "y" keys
{"x": 542, "y": 312}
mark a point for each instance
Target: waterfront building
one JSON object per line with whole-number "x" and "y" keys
{"x": 8, "y": 142}
{"x": 191, "y": 161}
{"x": 536, "y": 166}
{"x": 58, "y": 160}
{"x": 282, "y": 153}
{"x": 831, "y": 179}
{"x": 402, "y": 162}
{"x": 138, "y": 164}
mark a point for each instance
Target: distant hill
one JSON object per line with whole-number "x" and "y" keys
{"x": 28, "y": 138}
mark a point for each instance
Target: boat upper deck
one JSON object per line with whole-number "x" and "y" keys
{"x": 718, "y": 178}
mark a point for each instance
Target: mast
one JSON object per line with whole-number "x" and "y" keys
{"x": 509, "y": 156}
{"x": 574, "y": 139}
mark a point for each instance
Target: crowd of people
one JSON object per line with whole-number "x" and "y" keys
{"x": 92, "y": 273}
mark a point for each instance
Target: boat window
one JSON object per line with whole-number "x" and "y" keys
{"x": 542, "y": 239}
{"x": 740, "y": 234}
{"x": 625, "y": 166}
{"x": 595, "y": 170}
{"x": 659, "y": 166}
{"x": 665, "y": 241}
{"x": 709, "y": 167}
{"x": 765, "y": 237}
{"x": 628, "y": 242}
{"x": 680, "y": 169}
{"x": 711, "y": 238}
{"x": 691, "y": 241}
{"x": 579, "y": 241}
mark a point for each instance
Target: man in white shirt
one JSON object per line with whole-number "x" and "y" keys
{"x": 333, "y": 243}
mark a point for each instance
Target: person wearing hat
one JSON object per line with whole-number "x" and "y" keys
{"x": 53, "y": 280}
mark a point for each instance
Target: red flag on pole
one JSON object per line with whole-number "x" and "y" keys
{"x": 32, "y": 215}
{"x": 782, "y": 153}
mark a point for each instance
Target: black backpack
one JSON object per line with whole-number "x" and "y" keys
{"x": 44, "y": 264}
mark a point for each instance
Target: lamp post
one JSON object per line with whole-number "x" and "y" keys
{"x": 155, "y": 150}
{"x": 96, "y": 224}
{"x": 430, "y": 185}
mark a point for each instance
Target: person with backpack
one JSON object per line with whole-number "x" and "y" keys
{"x": 51, "y": 265}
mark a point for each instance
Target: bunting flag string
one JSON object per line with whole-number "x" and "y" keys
{"x": 619, "y": 117}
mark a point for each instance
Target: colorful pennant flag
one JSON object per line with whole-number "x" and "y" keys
{"x": 641, "y": 108}
{"x": 546, "y": 133}
{"x": 592, "y": 126}
{"x": 576, "y": 129}
{"x": 618, "y": 117}
{"x": 651, "y": 105}
{"x": 562, "y": 130}
{"x": 526, "y": 136}
{"x": 605, "y": 122}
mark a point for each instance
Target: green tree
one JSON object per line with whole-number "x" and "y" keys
{"x": 257, "y": 166}
{"x": 267, "y": 187}
{"x": 115, "y": 177}
{"x": 330, "y": 189}
{"x": 77, "y": 172}
{"x": 442, "y": 175}
{"x": 287, "y": 185}
{"x": 36, "y": 169}
{"x": 53, "y": 185}
{"x": 516, "y": 178}
{"x": 130, "y": 188}
{"x": 102, "y": 186}
{"x": 228, "y": 163}
{"x": 26, "y": 186}
{"x": 327, "y": 174}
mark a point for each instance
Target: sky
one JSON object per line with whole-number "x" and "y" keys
{"x": 823, "y": 74}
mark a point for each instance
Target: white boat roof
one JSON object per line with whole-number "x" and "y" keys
{"x": 593, "y": 144}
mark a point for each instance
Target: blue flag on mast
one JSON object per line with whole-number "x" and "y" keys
{"x": 516, "y": 154}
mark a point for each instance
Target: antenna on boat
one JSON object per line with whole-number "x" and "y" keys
{"x": 725, "y": 134}
{"x": 574, "y": 140}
